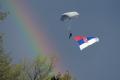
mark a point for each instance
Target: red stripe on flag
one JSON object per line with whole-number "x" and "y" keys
{"x": 77, "y": 38}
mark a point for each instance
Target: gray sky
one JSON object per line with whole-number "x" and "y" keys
{"x": 97, "y": 18}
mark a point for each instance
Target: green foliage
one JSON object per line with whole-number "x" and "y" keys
{"x": 3, "y": 15}
{"x": 8, "y": 71}
{"x": 66, "y": 76}
{"x": 39, "y": 69}
{"x": 15, "y": 72}
{"x": 4, "y": 66}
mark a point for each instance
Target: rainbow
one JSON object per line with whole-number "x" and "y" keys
{"x": 29, "y": 28}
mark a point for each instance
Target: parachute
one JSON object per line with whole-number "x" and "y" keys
{"x": 68, "y": 16}
{"x": 84, "y": 42}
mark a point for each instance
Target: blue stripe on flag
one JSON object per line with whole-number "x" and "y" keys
{"x": 80, "y": 41}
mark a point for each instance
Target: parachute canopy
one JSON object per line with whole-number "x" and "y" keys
{"x": 69, "y": 15}
{"x": 84, "y": 42}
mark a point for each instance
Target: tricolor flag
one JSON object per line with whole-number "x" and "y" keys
{"x": 85, "y": 41}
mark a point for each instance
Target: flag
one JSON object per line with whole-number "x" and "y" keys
{"x": 84, "y": 42}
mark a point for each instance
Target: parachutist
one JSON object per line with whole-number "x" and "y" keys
{"x": 70, "y": 35}
{"x": 68, "y": 17}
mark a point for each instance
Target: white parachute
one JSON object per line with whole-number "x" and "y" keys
{"x": 69, "y": 15}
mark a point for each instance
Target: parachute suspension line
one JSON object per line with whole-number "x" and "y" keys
{"x": 69, "y": 26}
{"x": 69, "y": 29}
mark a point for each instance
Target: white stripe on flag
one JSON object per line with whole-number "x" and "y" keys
{"x": 88, "y": 43}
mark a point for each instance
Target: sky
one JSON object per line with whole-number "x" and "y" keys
{"x": 36, "y": 23}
